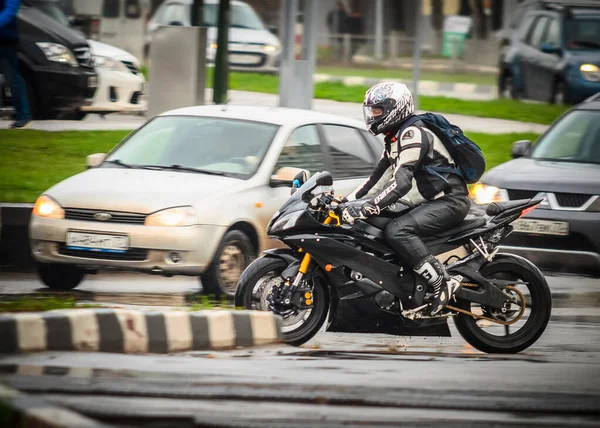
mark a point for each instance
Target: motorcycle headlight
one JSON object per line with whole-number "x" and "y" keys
{"x": 109, "y": 64}
{"x": 483, "y": 194}
{"x": 47, "y": 207}
{"x": 286, "y": 222}
{"x": 173, "y": 217}
{"x": 58, "y": 53}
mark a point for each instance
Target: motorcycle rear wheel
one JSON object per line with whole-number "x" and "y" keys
{"x": 299, "y": 326}
{"x": 533, "y": 324}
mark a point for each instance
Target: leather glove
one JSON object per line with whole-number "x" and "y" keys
{"x": 352, "y": 213}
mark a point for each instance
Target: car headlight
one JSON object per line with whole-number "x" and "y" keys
{"x": 270, "y": 48}
{"x": 48, "y": 208}
{"x": 483, "y": 194}
{"x": 590, "y": 72}
{"x": 58, "y": 53}
{"x": 109, "y": 64}
{"x": 287, "y": 221}
{"x": 173, "y": 217}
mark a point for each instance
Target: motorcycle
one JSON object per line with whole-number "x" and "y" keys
{"x": 503, "y": 304}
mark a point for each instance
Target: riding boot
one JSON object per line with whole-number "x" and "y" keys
{"x": 443, "y": 286}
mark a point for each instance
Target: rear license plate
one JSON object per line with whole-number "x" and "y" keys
{"x": 93, "y": 82}
{"x": 244, "y": 59}
{"x": 541, "y": 227}
{"x": 97, "y": 242}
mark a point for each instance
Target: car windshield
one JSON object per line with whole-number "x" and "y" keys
{"x": 196, "y": 145}
{"x": 583, "y": 34}
{"x": 575, "y": 138}
{"x": 241, "y": 17}
{"x": 51, "y": 9}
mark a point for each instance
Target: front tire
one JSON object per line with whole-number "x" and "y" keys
{"x": 60, "y": 276}
{"x": 234, "y": 254}
{"x": 538, "y": 302}
{"x": 257, "y": 282}
{"x": 559, "y": 95}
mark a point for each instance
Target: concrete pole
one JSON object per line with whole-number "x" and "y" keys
{"x": 417, "y": 51}
{"x": 287, "y": 31}
{"x": 379, "y": 30}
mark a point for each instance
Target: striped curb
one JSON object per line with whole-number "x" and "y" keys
{"x": 424, "y": 85}
{"x": 28, "y": 411}
{"x": 129, "y": 331}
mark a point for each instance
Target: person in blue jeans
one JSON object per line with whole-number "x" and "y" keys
{"x": 9, "y": 66}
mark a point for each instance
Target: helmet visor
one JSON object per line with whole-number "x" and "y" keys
{"x": 372, "y": 114}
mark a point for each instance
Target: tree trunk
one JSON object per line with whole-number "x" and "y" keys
{"x": 479, "y": 21}
{"x": 437, "y": 23}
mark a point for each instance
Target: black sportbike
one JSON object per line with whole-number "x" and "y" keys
{"x": 503, "y": 305}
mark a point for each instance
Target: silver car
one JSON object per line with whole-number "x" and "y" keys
{"x": 251, "y": 45}
{"x": 191, "y": 193}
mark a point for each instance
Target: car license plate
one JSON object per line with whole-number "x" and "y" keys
{"x": 243, "y": 59}
{"x": 541, "y": 227}
{"x": 93, "y": 82}
{"x": 97, "y": 242}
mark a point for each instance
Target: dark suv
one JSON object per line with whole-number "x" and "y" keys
{"x": 57, "y": 65}
{"x": 553, "y": 52}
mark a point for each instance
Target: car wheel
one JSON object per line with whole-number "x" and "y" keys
{"x": 234, "y": 254}
{"x": 60, "y": 276}
{"x": 559, "y": 96}
{"x": 506, "y": 89}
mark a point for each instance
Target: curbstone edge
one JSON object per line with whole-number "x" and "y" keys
{"x": 130, "y": 331}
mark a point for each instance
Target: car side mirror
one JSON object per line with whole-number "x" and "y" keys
{"x": 274, "y": 29}
{"x": 285, "y": 177}
{"x": 94, "y": 160}
{"x": 550, "y": 48}
{"x": 520, "y": 148}
{"x": 75, "y": 21}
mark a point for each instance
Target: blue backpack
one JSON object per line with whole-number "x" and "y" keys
{"x": 468, "y": 158}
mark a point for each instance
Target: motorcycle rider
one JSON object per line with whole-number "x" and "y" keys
{"x": 440, "y": 198}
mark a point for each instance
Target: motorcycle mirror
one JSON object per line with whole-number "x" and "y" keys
{"x": 325, "y": 179}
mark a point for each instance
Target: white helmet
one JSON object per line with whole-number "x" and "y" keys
{"x": 386, "y": 105}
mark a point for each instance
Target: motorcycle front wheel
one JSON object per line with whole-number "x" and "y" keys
{"x": 257, "y": 282}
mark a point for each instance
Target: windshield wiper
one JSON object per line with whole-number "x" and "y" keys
{"x": 586, "y": 43}
{"x": 120, "y": 163}
{"x": 127, "y": 165}
{"x": 243, "y": 26}
{"x": 191, "y": 169}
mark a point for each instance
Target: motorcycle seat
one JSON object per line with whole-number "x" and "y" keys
{"x": 496, "y": 208}
{"x": 375, "y": 225}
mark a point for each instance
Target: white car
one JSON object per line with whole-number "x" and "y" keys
{"x": 251, "y": 45}
{"x": 191, "y": 193}
{"x": 121, "y": 84}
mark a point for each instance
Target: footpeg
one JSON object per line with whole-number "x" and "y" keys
{"x": 414, "y": 314}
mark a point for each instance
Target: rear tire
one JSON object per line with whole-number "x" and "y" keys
{"x": 559, "y": 95}
{"x": 60, "y": 276}
{"x": 271, "y": 268}
{"x": 536, "y": 322}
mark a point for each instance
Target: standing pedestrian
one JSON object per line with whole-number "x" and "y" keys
{"x": 337, "y": 21}
{"x": 9, "y": 66}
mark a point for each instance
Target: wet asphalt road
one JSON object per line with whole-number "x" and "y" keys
{"x": 335, "y": 379}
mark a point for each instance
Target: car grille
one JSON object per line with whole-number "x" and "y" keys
{"x": 132, "y": 67}
{"x": 514, "y": 195}
{"x": 572, "y": 200}
{"x": 84, "y": 57}
{"x": 565, "y": 200}
{"x": 132, "y": 255}
{"x": 572, "y": 242}
{"x": 116, "y": 217}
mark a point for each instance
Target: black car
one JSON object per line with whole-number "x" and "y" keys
{"x": 553, "y": 52}
{"x": 56, "y": 64}
{"x": 563, "y": 168}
